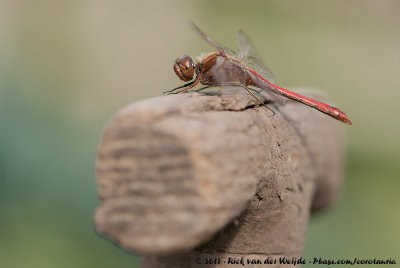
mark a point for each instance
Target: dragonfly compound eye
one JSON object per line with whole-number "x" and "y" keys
{"x": 184, "y": 68}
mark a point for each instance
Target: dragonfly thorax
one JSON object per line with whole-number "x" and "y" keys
{"x": 184, "y": 68}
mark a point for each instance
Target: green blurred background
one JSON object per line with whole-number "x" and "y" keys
{"x": 67, "y": 66}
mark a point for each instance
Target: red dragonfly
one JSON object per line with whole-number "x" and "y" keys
{"x": 227, "y": 68}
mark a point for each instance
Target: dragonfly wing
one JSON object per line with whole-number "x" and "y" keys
{"x": 221, "y": 71}
{"x": 211, "y": 41}
{"x": 249, "y": 56}
{"x": 224, "y": 71}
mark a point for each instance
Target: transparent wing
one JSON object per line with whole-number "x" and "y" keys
{"x": 222, "y": 71}
{"x": 211, "y": 41}
{"x": 249, "y": 57}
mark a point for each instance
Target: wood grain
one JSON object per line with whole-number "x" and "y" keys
{"x": 214, "y": 175}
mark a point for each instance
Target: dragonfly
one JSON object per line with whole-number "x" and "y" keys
{"x": 245, "y": 69}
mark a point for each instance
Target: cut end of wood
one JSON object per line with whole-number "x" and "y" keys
{"x": 175, "y": 171}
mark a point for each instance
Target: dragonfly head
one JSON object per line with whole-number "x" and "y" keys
{"x": 184, "y": 68}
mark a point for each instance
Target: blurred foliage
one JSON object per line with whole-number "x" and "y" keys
{"x": 66, "y": 66}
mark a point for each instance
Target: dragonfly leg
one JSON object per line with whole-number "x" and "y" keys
{"x": 173, "y": 93}
{"x": 202, "y": 88}
{"x": 185, "y": 87}
{"x": 255, "y": 90}
{"x": 257, "y": 98}
{"x": 273, "y": 113}
{"x": 220, "y": 89}
{"x": 180, "y": 91}
{"x": 240, "y": 85}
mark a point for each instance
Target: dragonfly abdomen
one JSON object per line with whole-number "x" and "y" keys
{"x": 320, "y": 106}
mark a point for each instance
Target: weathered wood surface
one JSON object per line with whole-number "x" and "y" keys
{"x": 216, "y": 174}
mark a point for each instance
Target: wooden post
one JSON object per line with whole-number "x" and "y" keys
{"x": 187, "y": 177}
